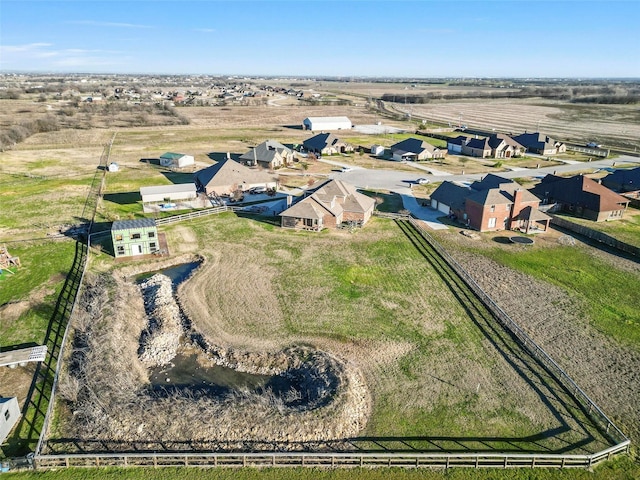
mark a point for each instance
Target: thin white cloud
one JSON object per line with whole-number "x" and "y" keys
{"x": 94, "y": 23}
{"x": 29, "y": 47}
{"x": 42, "y": 56}
{"x": 204, "y": 30}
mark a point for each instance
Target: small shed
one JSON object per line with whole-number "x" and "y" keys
{"x": 113, "y": 167}
{"x": 377, "y": 150}
{"x": 9, "y": 416}
{"x": 176, "y": 160}
{"x": 134, "y": 237}
{"x": 168, "y": 193}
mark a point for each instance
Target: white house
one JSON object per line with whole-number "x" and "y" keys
{"x": 163, "y": 193}
{"x": 9, "y": 416}
{"x": 176, "y": 160}
{"x": 326, "y": 123}
{"x": 377, "y": 150}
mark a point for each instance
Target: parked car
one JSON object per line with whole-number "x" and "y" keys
{"x": 346, "y": 169}
{"x": 422, "y": 181}
{"x": 593, "y": 145}
{"x": 256, "y": 190}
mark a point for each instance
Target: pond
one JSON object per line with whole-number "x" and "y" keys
{"x": 187, "y": 373}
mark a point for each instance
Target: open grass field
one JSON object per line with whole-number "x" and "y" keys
{"x": 627, "y": 229}
{"x": 574, "y": 301}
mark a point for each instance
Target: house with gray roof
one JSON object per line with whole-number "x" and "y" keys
{"x": 414, "y": 149}
{"x": 623, "y": 180}
{"x": 540, "y": 143}
{"x": 229, "y": 176}
{"x": 328, "y": 206}
{"x": 326, "y": 144}
{"x": 269, "y": 154}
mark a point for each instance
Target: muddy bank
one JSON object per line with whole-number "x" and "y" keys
{"x": 142, "y": 326}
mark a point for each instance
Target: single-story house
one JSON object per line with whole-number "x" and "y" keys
{"x": 329, "y": 205}
{"x": 9, "y": 416}
{"x": 326, "y": 144}
{"x": 168, "y": 193}
{"x": 269, "y": 154}
{"x": 581, "y": 196}
{"x": 623, "y": 180}
{"x": 377, "y": 150}
{"x": 326, "y": 123}
{"x": 134, "y": 237}
{"x": 229, "y": 176}
{"x": 413, "y": 149}
{"x": 495, "y": 203}
{"x": 540, "y": 143}
{"x": 497, "y": 145}
{"x": 176, "y": 160}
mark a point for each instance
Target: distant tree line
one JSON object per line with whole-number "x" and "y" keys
{"x": 18, "y": 133}
{"x": 602, "y": 94}
{"x": 81, "y": 115}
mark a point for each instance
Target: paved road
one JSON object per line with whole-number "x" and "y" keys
{"x": 401, "y": 182}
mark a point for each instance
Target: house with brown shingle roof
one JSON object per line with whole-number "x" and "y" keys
{"x": 269, "y": 154}
{"x": 328, "y": 206}
{"x": 581, "y": 196}
{"x": 229, "y": 176}
{"x": 495, "y": 203}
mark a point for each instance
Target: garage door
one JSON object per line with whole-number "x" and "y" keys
{"x": 443, "y": 208}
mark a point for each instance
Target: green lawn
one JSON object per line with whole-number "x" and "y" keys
{"x": 44, "y": 268}
{"x": 626, "y": 229}
{"x": 611, "y": 295}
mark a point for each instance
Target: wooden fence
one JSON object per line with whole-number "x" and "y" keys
{"x": 196, "y": 214}
{"x": 326, "y": 460}
{"x": 595, "y": 235}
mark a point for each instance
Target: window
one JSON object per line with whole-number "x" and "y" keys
{"x": 7, "y": 415}
{"x": 491, "y": 223}
{"x": 152, "y": 234}
{"x": 492, "y": 208}
{"x": 119, "y": 237}
{"x": 152, "y": 245}
{"x": 135, "y": 236}
{"x": 120, "y": 250}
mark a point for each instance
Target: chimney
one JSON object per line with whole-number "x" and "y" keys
{"x": 517, "y": 197}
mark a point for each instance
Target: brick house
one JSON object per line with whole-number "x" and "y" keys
{"x": 493, "y": 204}
{"x": 329, "y": 205}
{"x": 582, "y": 197}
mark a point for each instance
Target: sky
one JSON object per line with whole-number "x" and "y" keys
{"x": 307, "y": 38}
